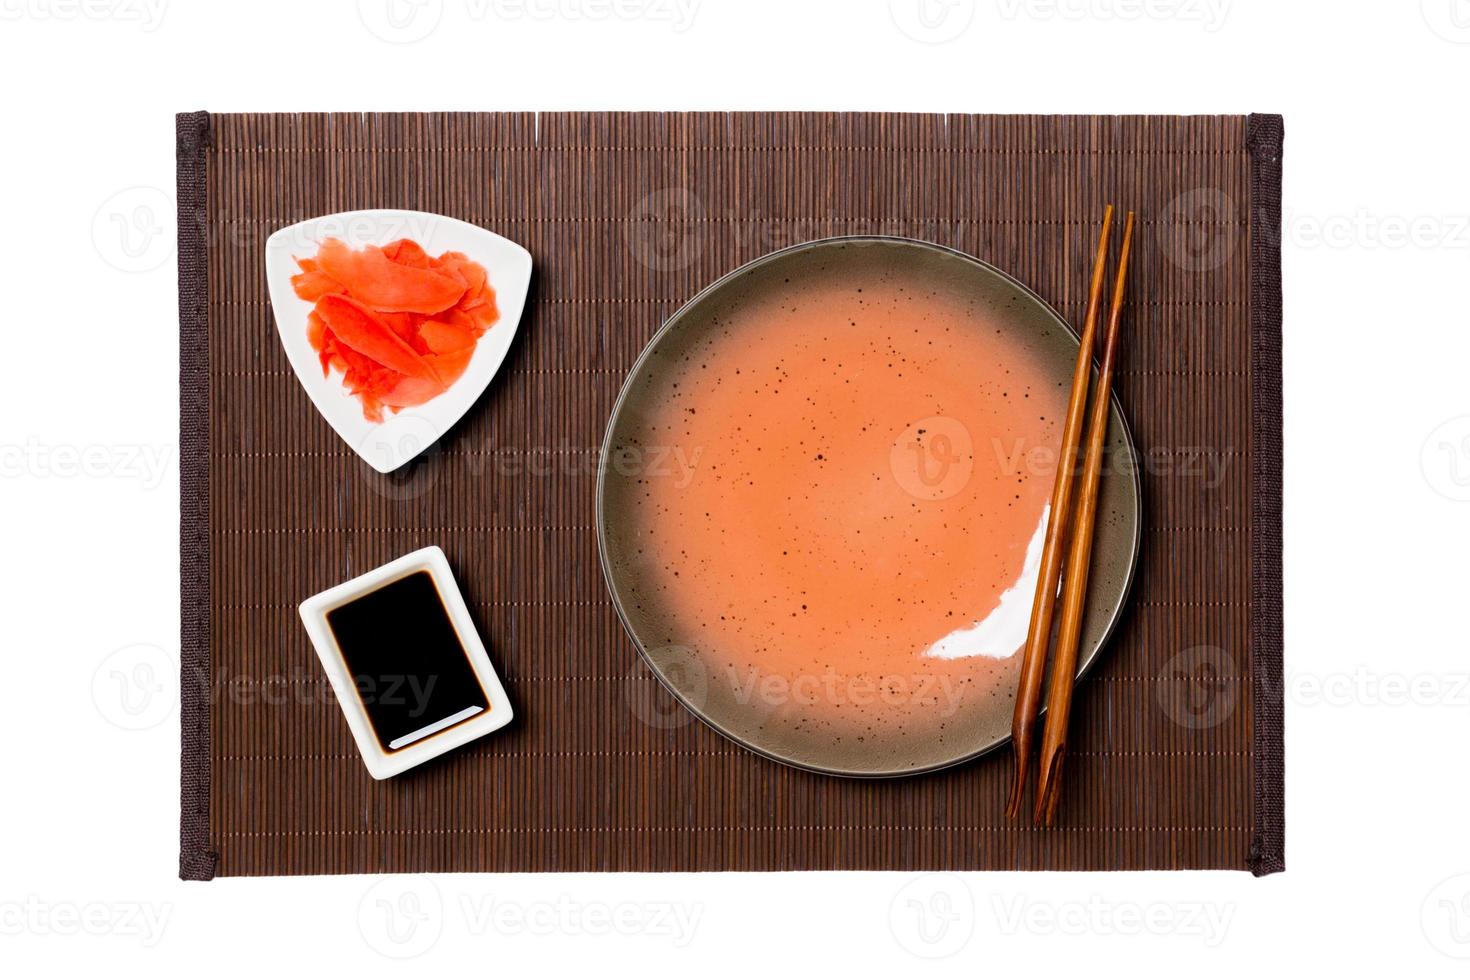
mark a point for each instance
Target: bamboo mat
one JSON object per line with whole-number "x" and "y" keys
{"x": 1176, "y": 758}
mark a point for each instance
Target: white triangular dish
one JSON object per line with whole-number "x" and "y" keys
{"x": 399, "y": 438}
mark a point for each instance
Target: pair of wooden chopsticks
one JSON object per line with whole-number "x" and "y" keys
{"x": 1038, "y": 638}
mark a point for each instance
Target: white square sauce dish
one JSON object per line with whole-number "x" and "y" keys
{"x": 406, "y": 663}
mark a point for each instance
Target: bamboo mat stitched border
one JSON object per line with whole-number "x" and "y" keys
{"x": 1177, "y": 734}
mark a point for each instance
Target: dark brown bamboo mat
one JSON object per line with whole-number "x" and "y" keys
{"x": 1176, "y": 759}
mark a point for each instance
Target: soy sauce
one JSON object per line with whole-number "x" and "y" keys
{"x": 410, "y": 667}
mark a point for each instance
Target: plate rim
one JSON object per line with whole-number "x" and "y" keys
{"x": 1115, "y": 407}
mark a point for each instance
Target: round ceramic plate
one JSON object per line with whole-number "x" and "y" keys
{"x": 823, "y": 493}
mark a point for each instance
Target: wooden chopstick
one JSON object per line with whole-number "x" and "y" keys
{"x": 1064, "y": 663}
{"x": 1038, "y": 637}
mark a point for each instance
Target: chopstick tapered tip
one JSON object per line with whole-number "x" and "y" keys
{"x": 1018, "y": 787}
{"x": 1049, "y": 793}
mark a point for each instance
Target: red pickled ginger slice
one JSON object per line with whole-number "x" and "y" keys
{"x": 356, "y": 327}
{"x": 385, "y": 286}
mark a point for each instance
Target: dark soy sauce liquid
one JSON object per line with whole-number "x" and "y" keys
{"x": 410, "y": 667}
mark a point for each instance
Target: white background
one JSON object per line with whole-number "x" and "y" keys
{"x": 1377, "y": 346}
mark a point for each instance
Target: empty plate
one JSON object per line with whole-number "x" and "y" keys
{"x": 824, "y": 490}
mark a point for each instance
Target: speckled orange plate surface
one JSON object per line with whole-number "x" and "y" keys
{"x": 824, "y": 489}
